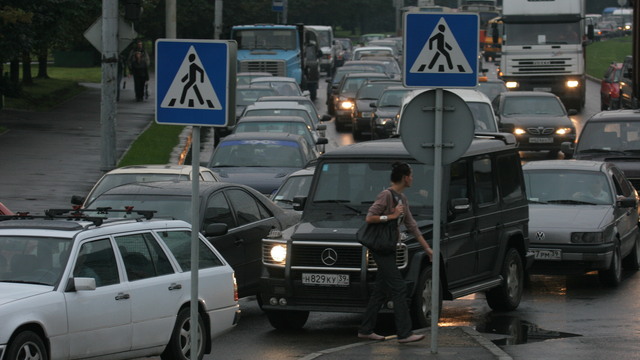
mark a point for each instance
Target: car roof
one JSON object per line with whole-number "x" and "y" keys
{"x": 155, "y": 169}
{"x": 167, "y": 188}
{"x": 285, "y": 98}
{"x": 281, "y": 105}
{"x": 288, "y": 118}
{"x": 263, "y": 136}
{"x": 468, "y": 95}
{"x": 393, "y": 148}
{"x": 273, "y": 79}
{"x": 581, "y": 165}
{"x": 365, "y": 75}
{"x": 527, "y": 94}
{"x": 616, "y": 116}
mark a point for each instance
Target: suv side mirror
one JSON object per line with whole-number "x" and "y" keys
{"x": 77, "y": 200}
{"x": 325, "y": 117}
{"x": 321, "y": 127}
{"x": 298, "y": 202}
{"x": 322, "y": 141}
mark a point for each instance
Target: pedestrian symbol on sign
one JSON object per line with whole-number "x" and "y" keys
{"x": 191, "y": 87}
{"x": 441, "y": 53}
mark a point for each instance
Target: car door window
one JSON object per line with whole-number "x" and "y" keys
{"x": 247, "y": 208}
{"x": 143, "y": 257}
{"x": 97, "y": 260}
{"x": 485, "y": 192}
{"x": 623, "y": 188}
{"x": 509, "y": 181}
{"x": 218, "y": 211}
{"x": 179, "y": 243}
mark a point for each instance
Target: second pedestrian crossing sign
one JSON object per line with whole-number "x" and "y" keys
{"x": 195, "y": 82}
{"x": 440, "y": 50}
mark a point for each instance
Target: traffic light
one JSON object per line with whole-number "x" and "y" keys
{"x": 132, "y": 9}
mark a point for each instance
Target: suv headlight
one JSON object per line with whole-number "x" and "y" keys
{"x": 274, "y": 253}
{"x": 519, "y": 131}
{"x": 587, "y": 238}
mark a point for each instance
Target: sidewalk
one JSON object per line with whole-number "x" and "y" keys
{"x": 49, "y": 156}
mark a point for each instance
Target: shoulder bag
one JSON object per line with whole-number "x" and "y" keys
{"x": 381, "y": 238}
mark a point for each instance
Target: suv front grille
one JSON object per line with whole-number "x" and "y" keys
{"x": 349, "y": 256}
{"x": 275, "y": 67}
{"x": 540, "y": 131}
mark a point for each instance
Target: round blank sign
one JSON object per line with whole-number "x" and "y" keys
{"x": 417, "y": 127}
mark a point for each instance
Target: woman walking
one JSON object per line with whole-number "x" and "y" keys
{"x": 391, "y": 204}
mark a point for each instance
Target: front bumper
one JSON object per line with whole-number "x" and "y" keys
{"x": 574, "y": 259}
{"x": 528, "y": 142}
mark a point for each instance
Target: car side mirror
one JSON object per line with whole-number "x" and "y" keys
{"x": 373, "y": 105}
{"x": 306, "y": 93}
{"x": 567, "y": 148}
{"x": 627, "y": 202}
{"x": 590, "y": 32}
{"x": 328, "y": 80}
{"x": 299, "y": 202}
{"x": 325, "y": 117}
{"x": 215, "y": 229}
{"x": 572, "y": 112}
{"x": 80, "y": 284}
{"x": 321, "y": 127}
{"x": 322, "y": 141}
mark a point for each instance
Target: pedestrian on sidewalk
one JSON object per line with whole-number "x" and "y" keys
{"x": 139, "y": 69}
{"x": 388, "y": 277}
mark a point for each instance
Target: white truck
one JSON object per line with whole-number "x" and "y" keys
{"x": 543, "y": 48}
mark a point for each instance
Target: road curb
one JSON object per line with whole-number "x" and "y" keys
{"x": 486, "y": 343}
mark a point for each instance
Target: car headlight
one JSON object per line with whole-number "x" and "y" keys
{"x": 519, "y": 131}
{"x": 587, "y": 238}
{"x": 346, "y": 105}
{"x": 573, "y": 83}
{"x": 563, "y": 131}
{"x": 278, "y": 253}
{"x": 383, "y": 121}
{"x": 511, "y": 84}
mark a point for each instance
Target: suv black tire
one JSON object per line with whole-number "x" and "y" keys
{"x": 287, "y": 319}
{"x": 507, "y": 296}
{"x": 421, "y": 302}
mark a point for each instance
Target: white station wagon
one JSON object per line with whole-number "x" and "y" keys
{"x": 88, "y": 287}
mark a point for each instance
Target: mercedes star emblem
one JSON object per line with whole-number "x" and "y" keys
{"x": 329, "y": 257}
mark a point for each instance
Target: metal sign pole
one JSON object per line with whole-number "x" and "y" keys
{"x": 437, "y": 200}
{"x": 195, "y": 242}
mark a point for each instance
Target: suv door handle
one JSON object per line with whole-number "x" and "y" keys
{"x": 239, "y": 242}
{"x": 122, "y": 296}
{"x": 175, "y": 286}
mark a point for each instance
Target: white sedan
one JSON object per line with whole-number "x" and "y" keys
{"x": 87, "y": 287}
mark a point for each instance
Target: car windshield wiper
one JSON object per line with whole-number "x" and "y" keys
{"x": 570, "y": 202}
{"x": 341, "y": 202}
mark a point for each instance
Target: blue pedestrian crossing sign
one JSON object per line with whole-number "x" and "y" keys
{"x": 195, "y": 82}
{"x": 441, "y": 50}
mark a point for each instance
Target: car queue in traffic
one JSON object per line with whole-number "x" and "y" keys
{"x": 250, "y": 165}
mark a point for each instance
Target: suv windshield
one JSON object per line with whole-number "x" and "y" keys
{"x": 356, "y": 184}
{"x": 610, "y": 136}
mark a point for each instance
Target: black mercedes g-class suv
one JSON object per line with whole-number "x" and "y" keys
{"x": 318, "y": 265}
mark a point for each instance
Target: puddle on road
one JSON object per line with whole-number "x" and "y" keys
{"x": 511, "y": 330}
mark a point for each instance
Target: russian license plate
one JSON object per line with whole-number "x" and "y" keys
{"x": 541, "y": 140}
{"x": 547, "y": 254}
{"x": 547, "y": 89}
{"x": 325, "y": 279}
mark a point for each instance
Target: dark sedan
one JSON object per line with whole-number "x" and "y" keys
{"x": 344, "y": 99}
{"x": 249, "y": 217}
{"x": 260, "y": 160}
{"x": 368, "y": 93}
{"x": 538, "y": 119}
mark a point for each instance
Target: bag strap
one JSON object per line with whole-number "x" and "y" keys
{"x": 395, "y": 196}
